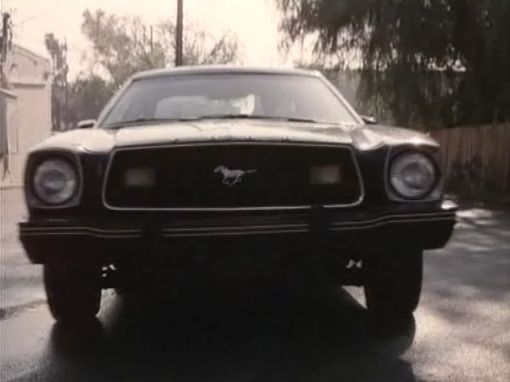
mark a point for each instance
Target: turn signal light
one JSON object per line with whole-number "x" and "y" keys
{"x": 324, "y": 175}
{"x": 140, "y": 177}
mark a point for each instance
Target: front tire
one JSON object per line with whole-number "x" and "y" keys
{"x": 73, "y": 294}
{"x": 393, "y": 283}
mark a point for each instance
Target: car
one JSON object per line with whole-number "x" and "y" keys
{"x": 193, "y": 172}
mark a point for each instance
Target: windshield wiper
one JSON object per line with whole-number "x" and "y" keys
{"x": 121, "y": 124}
{"x": 256, "y": 116}
{"x": 118, "y": 125}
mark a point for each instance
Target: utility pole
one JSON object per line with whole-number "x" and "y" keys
{"x": 65, "y": 70}
{"x": 151, "y": 37}
{"x": 178, "y": 34}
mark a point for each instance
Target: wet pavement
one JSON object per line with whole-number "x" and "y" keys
{"x": 460, "y": 332}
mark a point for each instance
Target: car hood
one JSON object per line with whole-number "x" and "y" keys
{"x": 363, "y": 137}
{"x": 232, "y": 130}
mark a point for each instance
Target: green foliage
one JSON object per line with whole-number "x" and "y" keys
{"x": 432, "y": 62}
{"x": 59, "y": 71}
{"x": 87, "y": 97}
{"x": 123, "y": 46}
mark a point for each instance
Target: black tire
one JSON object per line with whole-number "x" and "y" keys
{"x": 393, "y": 283}
{"x": 73, "y": 294}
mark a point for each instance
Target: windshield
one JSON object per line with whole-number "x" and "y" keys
{"x": 228, "y": 95}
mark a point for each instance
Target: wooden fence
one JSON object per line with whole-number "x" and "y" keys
{"x": 476, "y": 159}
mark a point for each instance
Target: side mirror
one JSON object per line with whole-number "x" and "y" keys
{"x": 86, "y": 124}
{"x": 369, "y": 120}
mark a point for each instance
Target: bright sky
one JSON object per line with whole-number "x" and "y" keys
{"x": 255, "y": 22}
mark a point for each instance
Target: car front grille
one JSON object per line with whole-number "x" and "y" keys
{"x": 201, "y": 177}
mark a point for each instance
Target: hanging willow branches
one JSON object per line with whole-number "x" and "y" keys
{"x": 431, "y": 62}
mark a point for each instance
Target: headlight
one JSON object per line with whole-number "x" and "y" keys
{"x": 413, "y": 175}
{"x": 55, "y": 182}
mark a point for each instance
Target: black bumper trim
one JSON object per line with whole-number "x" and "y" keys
{"x": 112, "y": 240}
{"x": 33, "y": 229}
{"x": 79, "y": 231}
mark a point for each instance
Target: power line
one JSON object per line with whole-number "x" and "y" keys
{"x": 55, "y": 8}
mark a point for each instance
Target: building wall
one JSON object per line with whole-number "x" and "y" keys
{"x": 9, "y": 138}
{"x": 25, "y": 65}
{"x": 29, "y": 117}
{"x": 34, "y": 105}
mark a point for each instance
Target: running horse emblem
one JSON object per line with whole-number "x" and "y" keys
{"x": 232, "y": 177}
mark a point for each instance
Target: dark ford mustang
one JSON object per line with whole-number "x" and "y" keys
{"x": 197, "y": 172}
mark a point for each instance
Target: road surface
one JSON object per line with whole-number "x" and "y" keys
{"x": 460, "y": 332}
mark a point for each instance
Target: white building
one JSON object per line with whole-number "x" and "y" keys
{"x": 25, "y": 110}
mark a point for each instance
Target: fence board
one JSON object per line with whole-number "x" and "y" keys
{"x": 477, "y": 157}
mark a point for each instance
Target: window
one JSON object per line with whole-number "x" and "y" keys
{"x": 210, "y": 95}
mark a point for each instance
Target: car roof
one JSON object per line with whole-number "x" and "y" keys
{"x": 222, "y": 69}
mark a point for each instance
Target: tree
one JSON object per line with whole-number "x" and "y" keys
{"x": 87, "y": 97}
{"x": 5, "y": 43}
{"x": 60, "y": 69}
{"x": 123, "y": 45}
{"x": 432, "y": 62}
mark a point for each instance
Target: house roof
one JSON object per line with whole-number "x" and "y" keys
{"x": 27, "y": 52}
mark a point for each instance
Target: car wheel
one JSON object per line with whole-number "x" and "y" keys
{"x": 393, "y": 283}
{"x": 73, "y": 294}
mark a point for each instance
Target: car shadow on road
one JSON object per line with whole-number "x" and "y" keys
{"x": 239, "y": 334}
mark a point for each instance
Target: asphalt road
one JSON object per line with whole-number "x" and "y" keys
{"x": 460, "y": 332}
